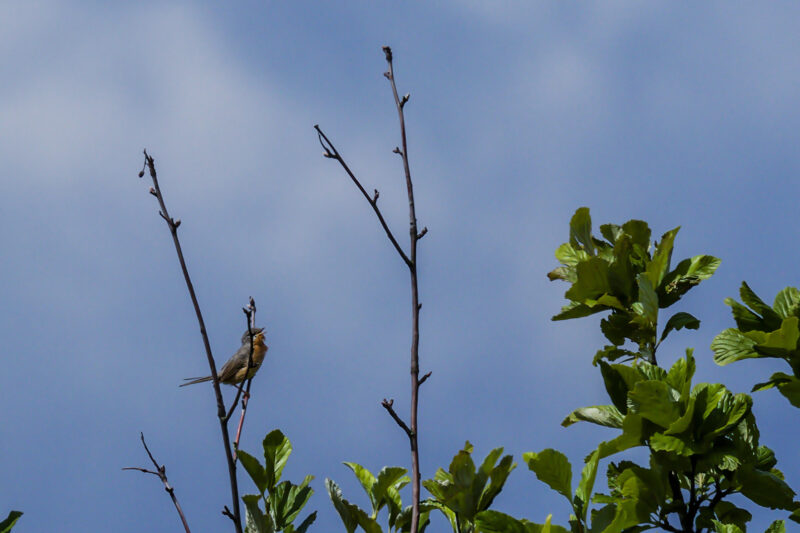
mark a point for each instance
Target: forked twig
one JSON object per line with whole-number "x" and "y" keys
{"x": 161, "y": 473}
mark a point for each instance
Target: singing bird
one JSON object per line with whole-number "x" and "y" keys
{"x": 236, "y": 369}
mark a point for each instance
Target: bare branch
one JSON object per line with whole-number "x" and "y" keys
{"x": 424, "y": 378}
{"x": 161, "y": 473}
{"x": 387, "y": 404}
{"x": 332, "y": 153}
{"x": 149, "y": 163}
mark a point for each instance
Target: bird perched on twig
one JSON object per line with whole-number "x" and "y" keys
{"x": 236, "y": 370}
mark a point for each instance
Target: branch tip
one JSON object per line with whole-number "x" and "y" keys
{"x": 397, "y": 151}
{"x": 405, "y": 99}
{"x": 424, "y": 378}
{"x": 422, "y": 233}
{"x": 375, "y": 196}
{"x": 388, "y": 52}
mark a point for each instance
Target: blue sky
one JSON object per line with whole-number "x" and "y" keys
{"x": 520, "y": 112}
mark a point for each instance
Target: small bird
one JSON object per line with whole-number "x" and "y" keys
{"x": 236, "y": 370}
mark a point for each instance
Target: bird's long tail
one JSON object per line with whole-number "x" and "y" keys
{"x": 192, "y": 381}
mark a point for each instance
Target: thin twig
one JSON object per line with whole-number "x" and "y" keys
{"x": 161, "y": 473}
{"x": 410, "y": 260}
{"x": 387, "y": 404}
{"x": 332, "y": 153}
{"x": 155, "y": 190}
{"x": 414, "y": 236}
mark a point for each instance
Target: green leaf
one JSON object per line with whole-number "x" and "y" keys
{"x": 497, "y": 478}
{"x": 277, "y": 449}
{"x": 576, "y": 310}
{"x": 686, "y": 275}
{"x": 765, "y": 488}
{"x": 288, "y": 500}
{"x": 639, "y": 232}
{"x": 787, "y": 302}
{"x": 659, "y": 266}
{"x": 592, "y": 281}
{"x": 611, "y": 232}
{"x": 348, "y": 512}
{"x": 732, "y": 345}
{"x": 7, "y": 524}
{"x": 551, "y": 467}
{"x": 653, "y": 401}
{"x": 788, "y": 385}
{"x": 680, "y": 375}
{"x": 570, "y": 256}
{"x": 778, "y": 526}
{"x": 580, "y": 230}
{"x": 678, "y": 321}
{"x": 746, "y": 320}
{"x": 254, "y": 469}
{"x": 497, "y": 522}
{"x": 388, "y": 477}
{"x": 632, "y": 435}
{"x": 303, "y": 527}
{"x": 584, "y": 491}
{"x": 603, "y": 415}
{"x": 367, "y": 481}
{"x": 647, "y": 299}
{"x": 719, "y": 527}
{"x": 255, "y": 521}
{"x": 618, "y": 380}
{"x": 770, "y": 318}
{"x": 781, "y": 342}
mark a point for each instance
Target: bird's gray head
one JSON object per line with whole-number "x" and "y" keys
{"x": 246, "y": 335}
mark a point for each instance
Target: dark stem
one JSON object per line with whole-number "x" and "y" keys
{"x": 223, "y": 422}
{"x": 677, "y": 495}
{"x": 161, "y": 472}
{"x": 411, "y": 262}
{"x": 414, "y": 236}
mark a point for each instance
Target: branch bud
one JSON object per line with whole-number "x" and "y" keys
{"x": 141, "y": 173}
{"x": 388, "y": 52}
{"x": 153, "y": 191}
{"x": 176, "y": 223}
{"x": 405, "y": 99}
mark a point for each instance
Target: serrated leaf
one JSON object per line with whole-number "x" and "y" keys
{"x": 255, "y": 520}
{"x": 787, "y": 302}
{"x": 603, "y": 415}
{"x": 592, "y": 281}
{"x": 553, "y": 468}
{"x": 732, "y": 345}
{"x": 347, "y": 511}
{"x": 678, "y": 321}
{"x": 778, "y": 526}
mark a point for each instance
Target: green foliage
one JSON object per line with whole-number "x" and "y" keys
{"x": 702, "y": 438}
{"x": 764, "y": 331}
{"x": 283, "y": 500}
{"x": 624, "y": 273}
{"x": 382, "y": 490}
{"x": 464, "y": 490}
{"x": 8, "y": 524}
